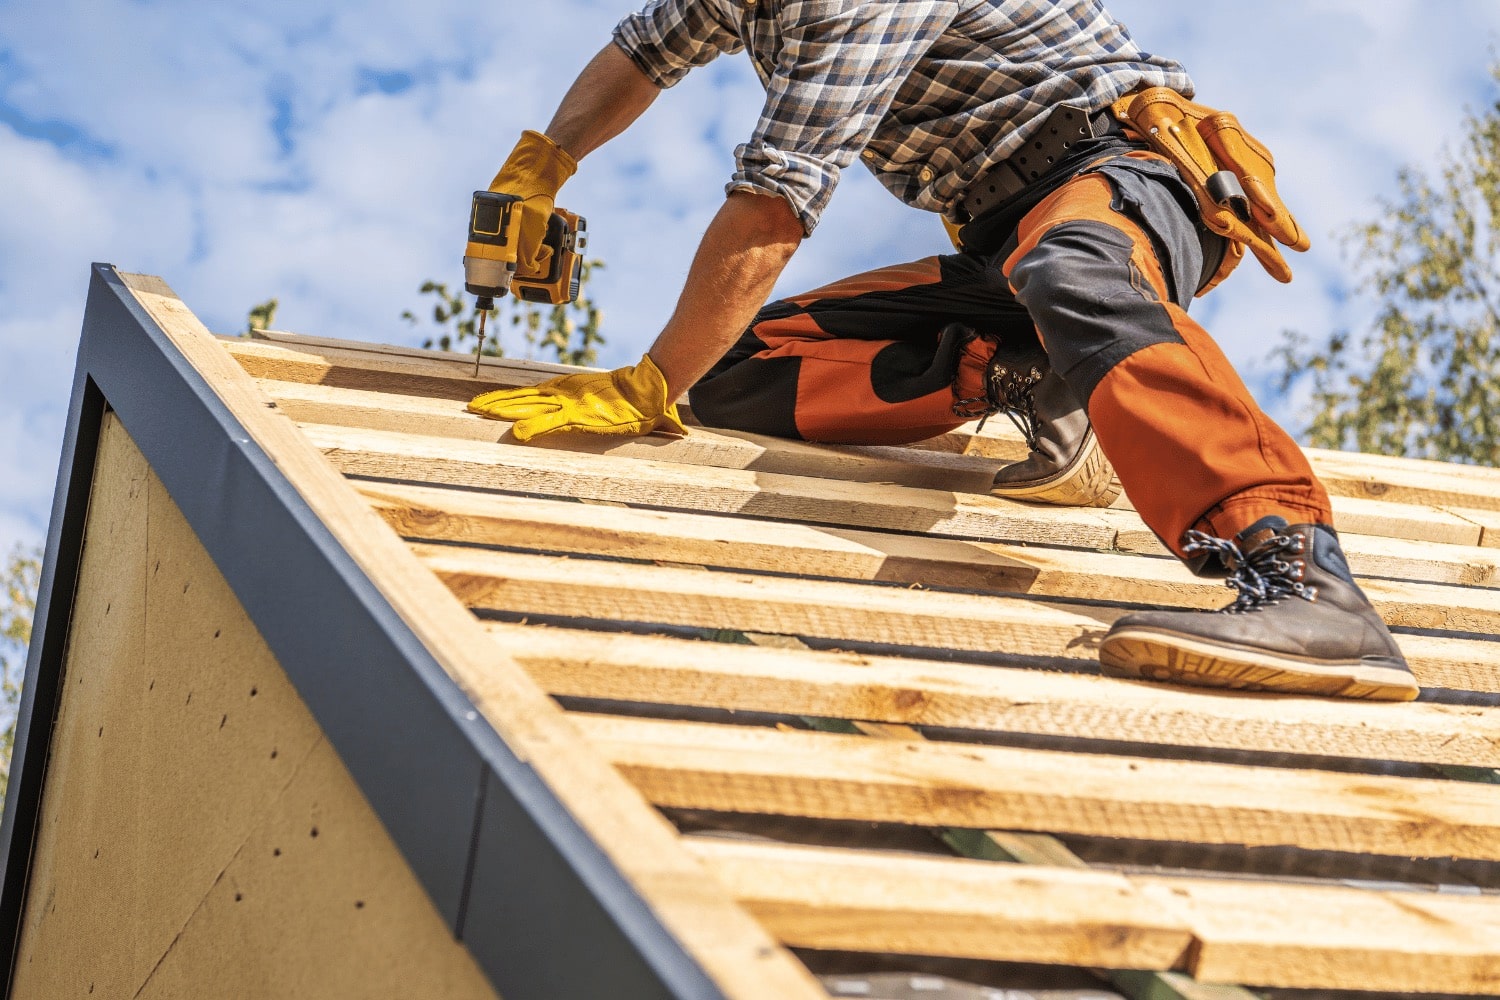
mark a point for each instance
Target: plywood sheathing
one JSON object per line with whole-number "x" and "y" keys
{"x": 198, "y": 835}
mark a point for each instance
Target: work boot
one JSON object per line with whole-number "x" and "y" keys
{"x": 1066, "y": 465}
{"x": 1300, "y": 623}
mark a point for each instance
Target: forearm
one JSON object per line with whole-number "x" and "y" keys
{"x": 607, "y": 97}
{"x": 742, "y": 254}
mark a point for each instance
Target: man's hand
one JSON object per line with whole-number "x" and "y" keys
{"x": 535, "y": 170}
{"x": 626, "y": 401}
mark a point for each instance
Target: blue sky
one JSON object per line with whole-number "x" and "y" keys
{"x": 324, "y": 153}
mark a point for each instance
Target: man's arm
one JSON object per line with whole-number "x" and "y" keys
{"x": 739, "y": 259}
{"x": 741, "y": 255}
{"x": 607, "y": 97}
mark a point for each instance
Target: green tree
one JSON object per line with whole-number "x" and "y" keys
{"x": 571, "y": 331}
{"x": 261, "y": 317}
{"x": 22, "y": 575}
{"x": 1422, "y": 380}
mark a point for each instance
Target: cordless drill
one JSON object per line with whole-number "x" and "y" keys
{"x": 490, "y": 267}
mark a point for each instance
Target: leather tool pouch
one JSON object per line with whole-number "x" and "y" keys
{"x": 1232, "y": 174}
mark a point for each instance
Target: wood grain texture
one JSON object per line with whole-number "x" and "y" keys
{"x": 1345, "y": 474}
{"x": 521, "y": 584}
{"x": 1267, "y": 934}
{"x": 820, "y": 898}
{"x": 513, "y": 468}
{"x": 445, "y": 418}
{"x": 1317, "y": 937}
{"x": 743, "y": 769}
{"x": 1041, "y": 571}
{"x": 457, "y": 515}
{"x": 404, "y": 389}
{"x": 726, "y": 941}
{"x": 527, "y": 584}
{"x": 659, "y": 670}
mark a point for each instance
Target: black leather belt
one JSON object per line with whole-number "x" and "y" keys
{"x": 1064, "y": 128}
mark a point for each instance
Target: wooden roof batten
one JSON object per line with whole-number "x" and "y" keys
{"x": 646, "y": 744}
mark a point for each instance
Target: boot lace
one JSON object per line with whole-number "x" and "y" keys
{"x": 1007, "y": 389}
{"x": 1261, "y": 576}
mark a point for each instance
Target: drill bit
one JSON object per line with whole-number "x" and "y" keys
{"x": 479, "y": 351}
{"x": 482, "y": 306}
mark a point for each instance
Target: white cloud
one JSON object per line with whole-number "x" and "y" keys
{"x": 243, "y": 152}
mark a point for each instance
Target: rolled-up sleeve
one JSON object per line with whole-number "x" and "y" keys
{"x": 838, "y": 71}
{"x": 667, "y": 38}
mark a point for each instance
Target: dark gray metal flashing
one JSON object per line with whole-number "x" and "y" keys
{"x": 541, "y": 907}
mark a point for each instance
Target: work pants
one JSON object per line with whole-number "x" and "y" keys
{"x": 1100, "y": 271}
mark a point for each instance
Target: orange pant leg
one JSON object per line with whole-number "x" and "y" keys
{"x": 1191, "y": 446}
{"x": 870, "y": 359}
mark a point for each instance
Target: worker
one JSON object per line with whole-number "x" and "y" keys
{"x": 1065, "y": 306}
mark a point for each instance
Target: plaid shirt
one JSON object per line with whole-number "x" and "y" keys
{"x": 929, "y": 93}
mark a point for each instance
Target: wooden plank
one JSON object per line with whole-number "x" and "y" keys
{"x": 354, "y": 365}
{"x": 748, "y": 544}
{"x": 1432, "y": 562}
{"x": 659, "y": 670}
{"x": 1459, "y": 664}
{"x": 1352, "y": 517}
{"x": 516, "y": 368}
{"x": 446, "y": 418}
{"x": 1272, "y": 934}
{"x": 823, "y": 776}
{"x": 910, "y": 905}
{"x": 387, "y": 455}
{"x": 525, "y": 584}
{"x": 1344, "y": 474}
{"x": 1486, "y": 521}
{"x": 1316, "y": 937}
{"x": 1405, "y": 480}
{"x": 585, "y": 588}
{"x": 732, "y": 948}
{"x": 452, "y": 515}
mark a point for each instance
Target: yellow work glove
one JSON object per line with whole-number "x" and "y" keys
{"x": 535, "y": 170}
{"x": 626, "y": 401}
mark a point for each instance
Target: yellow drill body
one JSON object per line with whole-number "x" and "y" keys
{"x": 490, "y": 258}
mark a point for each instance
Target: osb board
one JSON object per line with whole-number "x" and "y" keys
{"x": 198, "y": 836}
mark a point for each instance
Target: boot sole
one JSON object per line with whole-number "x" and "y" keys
{"x": 1088, "y": 481}
{"x": 1166, "y": 656}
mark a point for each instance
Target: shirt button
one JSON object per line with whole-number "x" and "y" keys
{"x": 925, "y": 175}
{"x": 868, "y": 154}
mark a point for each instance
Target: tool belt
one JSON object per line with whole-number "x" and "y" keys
{"x": 1067, "y": 126}
{"x": 1231, "y": 173}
